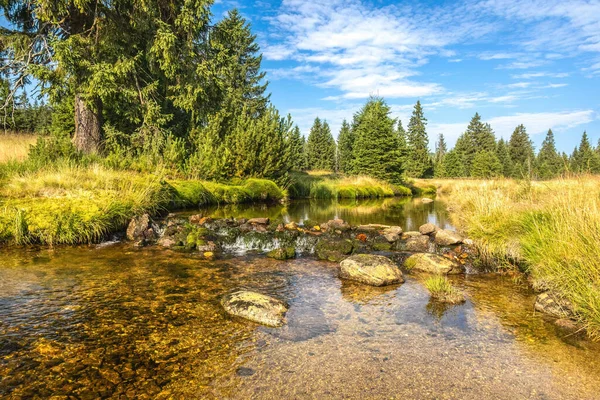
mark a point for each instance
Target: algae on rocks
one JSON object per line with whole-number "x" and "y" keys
{"x": 371, "y": 270}
{"x": 256, "y": 307}
{"x": 432, "y": 263}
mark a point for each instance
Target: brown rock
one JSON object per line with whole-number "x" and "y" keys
{"x": 259, "y": 221}
{"x": 428, "y": 229}
{"x": 371, "y": 270}
{"x": 552, "y": 304}
{"x": 137, "y": 227}
{"x": 447, "y": 238}
{"x": 255, "y": 307}
{"x": 418, "y": 243}
{"x": 432, "y": 263}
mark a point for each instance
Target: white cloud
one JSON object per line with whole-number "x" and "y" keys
{"x": 532, "y": 75}
{"x": 537, "y": 123}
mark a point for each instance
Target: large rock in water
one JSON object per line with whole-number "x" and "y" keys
{"x": 552, "y": 304}
{"x": 447, "y": 238}
{"x": 140, "y": 228}
{"x": 371, "y": 270}
{"x": 255, "y": 307}
{"x": 432, "y": 263}
{"x": 417, "y": 243}
{"x": 333, "y": 250}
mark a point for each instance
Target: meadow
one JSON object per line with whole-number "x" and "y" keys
{"x": 548, "y": 230}
{"x": 14, "y": 147}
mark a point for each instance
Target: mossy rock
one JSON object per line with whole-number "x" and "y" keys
{"x": 334, "y": 250}
{"x": 256, "y": 307}
{"x": 432, "y": 263}
{"x": 282, "y": 253}
{"x": 371, "y": 270}
{"x": 380, "y": 243}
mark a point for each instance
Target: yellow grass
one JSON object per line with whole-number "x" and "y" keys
{"x": 14, "y": 146}
{"x": 550, "y": 230}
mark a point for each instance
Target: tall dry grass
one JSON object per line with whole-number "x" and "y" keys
{"x": 550, "y": 229}
{"x": 14, "y": 147}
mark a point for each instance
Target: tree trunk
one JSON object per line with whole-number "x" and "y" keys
{"x": 88, "y": 126}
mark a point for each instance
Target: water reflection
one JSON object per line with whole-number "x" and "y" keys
{"x": 409, "y": 213}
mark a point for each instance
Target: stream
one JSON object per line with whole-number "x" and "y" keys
{"x": 116, "y": 321}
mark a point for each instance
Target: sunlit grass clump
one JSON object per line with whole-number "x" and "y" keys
{"x": 14, "y": 147}
{"x": 550, "y": 230}
{"x": 442, "y": 290}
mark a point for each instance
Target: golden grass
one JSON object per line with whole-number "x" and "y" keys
{"x": 550, "y": 230}
{"x": 14, "y": 147}
{"x": 442, "y": 290}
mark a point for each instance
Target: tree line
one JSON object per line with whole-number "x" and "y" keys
{"x": 377, "y": 145}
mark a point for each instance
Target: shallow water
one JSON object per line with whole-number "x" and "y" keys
{"x": 120, "y": 322}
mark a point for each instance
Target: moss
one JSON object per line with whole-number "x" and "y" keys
{"x": 283, "y": 253}
{"x": 334, "y": 250}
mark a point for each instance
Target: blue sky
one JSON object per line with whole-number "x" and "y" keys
{"x": 532, "y": 62}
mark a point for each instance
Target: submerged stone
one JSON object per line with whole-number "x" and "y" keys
{"x": 552, "y": 304}
{"x": 334, "y": 250}
{"x": 371, "y": 270}
{"x": 432, "y": 263}
{"x": 255, "y": 307}
{"x": 282, "y": 253}
{"x": 447, "y": 238}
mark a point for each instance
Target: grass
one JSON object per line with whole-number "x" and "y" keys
{"x": 14, "y": 147}
{"x": 442, "y": 290}
{"x": 549, "y": 230}
{"x": 322, "y": 185}
{"x": 68, "y": 204}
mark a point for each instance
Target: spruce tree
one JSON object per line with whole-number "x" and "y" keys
{"x": 320, "y": 147}
{"x": 418, "y": 161}
{"x": 402, "y": 144}
{"x": 345, "y": 146}
{"x": 521, "y": 153}
{"x": 585, "y": 159}
{"x": 549, "y": 163}
{"x": 477, "y": 138}
{"x": 454, "y": 165}
{"x": 296, "y": 149}
{"x": 486, "y": 165}
{"x": 504, "y": 158}
{"x": 376, "y": 150}
{"x": 441, "y": 150}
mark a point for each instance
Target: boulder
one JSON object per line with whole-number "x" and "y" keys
{"x": 417, "y": 243}
{"x": 334, "y": 250}
{"x": 336, "y": 224}
{"x": 447, "y": 238}
{"x": 282, "y": 253}
{"x": 371, "y": 270}
{"x": 200, "y": 220}
{"x": 428, "y": 229}
{"x": 258, "y": 221}
{"x": 139, "y": 228}
{"x": 372, "y": 227}
{"x": 410, "y": 234}
{"x": 432, "y": 263}
{"x": 392, "y": 234}
{"x": 552, "y": 304}
{"x": 426, "y": 200}
{"x": 255, "y": 307}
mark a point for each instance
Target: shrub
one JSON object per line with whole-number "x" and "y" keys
{"x": 441, "y": 290}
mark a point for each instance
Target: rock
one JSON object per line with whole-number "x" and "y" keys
{"x": 255, "y": 307}
{"x": 381, "y": 243}
{"x": 417, "y": 243}
{"x": 334, "y": 250}
{"x": 392, "y": 234}
{"x": 426, "y": 200}
{"x": 200, "y": 220}
{"x": 391, "y": 237}
{"x": 372, "y": 227}
{"x": 371, "y": 270}
{"x": 410, "y": 234}
{"x": 337, "y": 224}
{"x": 282, "y": 253}
{"x": 428, "y": 229}
{"x": 138, "y": 227}
{"x": 447, "y": 238}
{"x": 258, "y": 221}
{"x": 291, "y": 226}
{"x": 210, "y": 247}
{"x": 167, "y": 241}
{"x": 568, "y": 326}
{"x": 552, "y": 304}
{"x": 432, "y": 263}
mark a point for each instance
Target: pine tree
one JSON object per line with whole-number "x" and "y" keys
{"x": 441, "y": 150}
{"x": 320, "y": 147}
{"x": 477, "y": 138}
{"x": 486, "y": 165}
{"x": 521, "y": 153}
{"x": 418, "y": 162}
{"x": 296, "y": 149}
{"x": 376, "y": 150}
{"x": 504, "y": 158}
{"x": 402, "y": 144}
{"x": 454, "y": 165}
{"x": 549, "y": 163}
{"x": 585, "y": 159}
{"x": 345, "y": 146}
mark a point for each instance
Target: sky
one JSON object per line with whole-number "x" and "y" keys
{"x": 514, "y": 62}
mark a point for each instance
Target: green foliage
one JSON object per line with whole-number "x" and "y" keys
{"x": 520, "y": 149}
{"x": 504, "y": 158}
{"x": 296, "y": 148}
{"x": 320, "y": 147}
{"x": 549, "y": 163}
{"x": 441, "y": 149}
{"x": 453, "y": 165}
{"x": 419, "y": 164}
{"x": 345, "y": 146}
{"x": 486, "y": 165}
{"x": 376, "y": 152}
{"x": 442, "y": 290}
{"x": 584, "y": 158}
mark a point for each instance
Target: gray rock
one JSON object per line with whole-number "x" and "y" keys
{"x": 447, "y": 238}
{"x": 392, "y": 234}
{"x": 139, "y": 227}
{"x": 334, "y": 249}
{"x": 552, "y": 304}
{"x": 255, "y": 307}
{"x": 432, "y": 263}
{"x": 428, "y": 229}
{"x": 409, "y": 234}
{"x": 336, "y": 224}
{"x": 417, "y": 243}
{"x": 371, "y": 270}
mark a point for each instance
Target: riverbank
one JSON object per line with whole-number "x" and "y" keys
{"x": 547, "y": 230}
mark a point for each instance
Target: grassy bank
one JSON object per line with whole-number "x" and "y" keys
{"x": 326, "y": 185}
{"x": 550, "y": 230}
{"x": 68, "y": 204}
